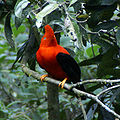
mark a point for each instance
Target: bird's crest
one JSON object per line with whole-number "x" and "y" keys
{"x": 49, "y": 38}
{"x": 49, "y": 30}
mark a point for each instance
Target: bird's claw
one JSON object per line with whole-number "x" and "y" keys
{"x": 43, "y": 77}
{"x": 62, "y": 83}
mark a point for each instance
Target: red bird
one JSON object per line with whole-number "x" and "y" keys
{"x": 56, "y": 60}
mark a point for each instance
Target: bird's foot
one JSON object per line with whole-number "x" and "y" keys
{"x": 43, "y": 77}
{"x": 62, "y": 83}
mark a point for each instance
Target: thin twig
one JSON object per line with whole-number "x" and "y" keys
{"x": 83, "y": 109}
{"x": 96, "y": 80}
{"x": 108, "y": 89}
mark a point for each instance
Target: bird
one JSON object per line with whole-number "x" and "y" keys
{"x": 57, "y": 61}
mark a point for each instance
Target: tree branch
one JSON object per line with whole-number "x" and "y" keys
{"x": 79, "y": 93}
{"x": 82, "y": 108}
{"x": 96, "y": 80}
{"x": 108, "y": 89}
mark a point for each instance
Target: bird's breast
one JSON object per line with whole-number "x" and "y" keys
{"x": 46, "y": 57}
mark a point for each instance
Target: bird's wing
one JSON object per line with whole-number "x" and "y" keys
{"x": 69, "y": 66}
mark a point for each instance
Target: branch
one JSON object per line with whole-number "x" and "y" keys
{"x": 96, "y": 80}
{"x": 83, "y": 109}
{"x": 71, "y": 88}
{"x": 108, "y": 89}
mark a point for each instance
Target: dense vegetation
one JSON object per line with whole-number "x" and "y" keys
{"x": 89, "y": 29}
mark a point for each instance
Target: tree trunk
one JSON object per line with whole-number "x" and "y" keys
{"x": 53, "y": 102}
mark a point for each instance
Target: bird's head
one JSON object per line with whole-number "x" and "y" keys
{"x": 49, "y": 39}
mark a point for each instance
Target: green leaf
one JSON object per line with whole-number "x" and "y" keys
{"x": 17, "y": 32}
{"x": 108, "y": 25}
{"x": 18, "y": 22}
{"x": 20, "y": 7}
{"x": 55, "y": 16}
{"x": 101, "y": 42}
{"x": 72, "y": 2}
{"x": 95, "y": 50}
{"x": 99, "y": 13}
{"x": 83, "y": 33}
{"x": 109, "y": 63}
{"x": 118, "y": 37}
{"x": 92, "y": 61}
{"x": 8, "y": 31}
{"x": 45, "y": 11}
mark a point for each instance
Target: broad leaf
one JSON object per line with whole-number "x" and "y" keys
{"x": 20, "y": 7}
{"x": 92, "y": 61}
{"x": 45, "y": 11}
{"x": 108, "y": 25}
{"x": 105, "y": 45}
{"x": 93, "y": 51}
{"x": 99, "y": 13}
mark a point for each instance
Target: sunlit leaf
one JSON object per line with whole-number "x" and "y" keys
{"x": 45, "y": 11}
{"x": 93, "y": 51}
{"x": 19, "y": 8}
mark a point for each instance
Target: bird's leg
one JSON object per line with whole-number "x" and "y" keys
{"x": 62, "y": 83}
{"x": 43, "y": 77}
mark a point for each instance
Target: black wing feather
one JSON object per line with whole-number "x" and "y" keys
{"x": 69, "y": 66}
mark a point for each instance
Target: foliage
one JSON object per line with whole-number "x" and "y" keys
{"x": 89, "y": 29}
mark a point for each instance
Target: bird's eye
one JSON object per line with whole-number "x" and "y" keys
{"x": 44, "y": 38}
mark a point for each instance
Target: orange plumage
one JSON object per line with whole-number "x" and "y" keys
{"x": 56, "y": 60}
{"x": 46, "y": 55}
